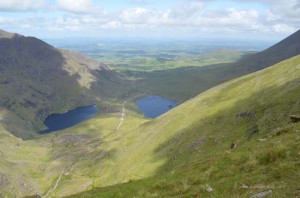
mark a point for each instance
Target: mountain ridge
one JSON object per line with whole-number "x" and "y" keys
{"x": 278, "y": 52}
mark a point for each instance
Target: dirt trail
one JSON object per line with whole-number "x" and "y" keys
{"x": 122, "y": 115}
{"x": 55, "y": 185}
{"x": 122, "y": 118}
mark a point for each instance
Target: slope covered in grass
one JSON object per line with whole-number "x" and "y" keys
{"x": 188, "y": 150}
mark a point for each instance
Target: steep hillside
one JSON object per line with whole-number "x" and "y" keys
{"x": 236, "y": 139}
{"x": 37, "y": 79}
{"x": 283, "y": 50}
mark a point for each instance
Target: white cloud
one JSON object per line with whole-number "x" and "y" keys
{"x": 137, "y": 15}
{"x": 187, "y": 9}
{"x": 8, "y": 20}
{"x": 282, "y": 8}
{"x": 143, "y": 19}
{"x": 112, "y": 25}
{"x": 184, "y": 16}
{"x": 23, "y": 5}
{"x": 282, "y": 28}
{"x": 78, "y": 6}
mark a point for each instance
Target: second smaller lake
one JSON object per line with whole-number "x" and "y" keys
{"x": 154, "y": 106}
{"x": 56, "y": 122}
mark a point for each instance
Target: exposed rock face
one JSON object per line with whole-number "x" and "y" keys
{"x": 295, "y": 118}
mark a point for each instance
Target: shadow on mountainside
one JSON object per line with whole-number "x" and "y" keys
{"x": 34, "y": 82}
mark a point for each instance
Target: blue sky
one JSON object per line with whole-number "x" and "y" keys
{"x": 258, "y": 19}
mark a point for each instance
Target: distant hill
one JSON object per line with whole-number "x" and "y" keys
{"x": 283, "y": 50}
{"x": 37, "y": 79}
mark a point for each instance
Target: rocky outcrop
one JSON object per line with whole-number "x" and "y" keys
{"x": 295, "y": 118}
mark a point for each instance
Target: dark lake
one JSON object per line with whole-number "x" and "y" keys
{"x": 56, "y": 122}
{"x": 154, "y": 106}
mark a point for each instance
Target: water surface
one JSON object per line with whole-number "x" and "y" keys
{"x": 56, "y": 122}
{"x": 154, "y": 106}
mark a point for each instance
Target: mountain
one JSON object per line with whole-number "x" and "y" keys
{"x": 37, "y": 79}
{"x": 234, "y": 140}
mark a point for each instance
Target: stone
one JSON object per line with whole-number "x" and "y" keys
{"x": 244, "y": 186}
{"x": 262, "y": 139}
{"x": 244, "y": 114}
{"x": 209, "y": 189}
{"x": 261, "y": 194}
{"x": 198, "y": 142}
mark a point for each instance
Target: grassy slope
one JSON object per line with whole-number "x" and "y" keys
{"x": 188, "y": 148}
{"x": 23, "y": 164}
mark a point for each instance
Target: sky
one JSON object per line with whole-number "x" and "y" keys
{"x": 250, "y": 19}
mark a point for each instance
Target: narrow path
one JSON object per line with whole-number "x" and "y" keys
{"x": 122, "y": 118}
{"x": 55, "y": 185}
{"x": 64, "y": 172}
{"x": 122, "y": 115}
